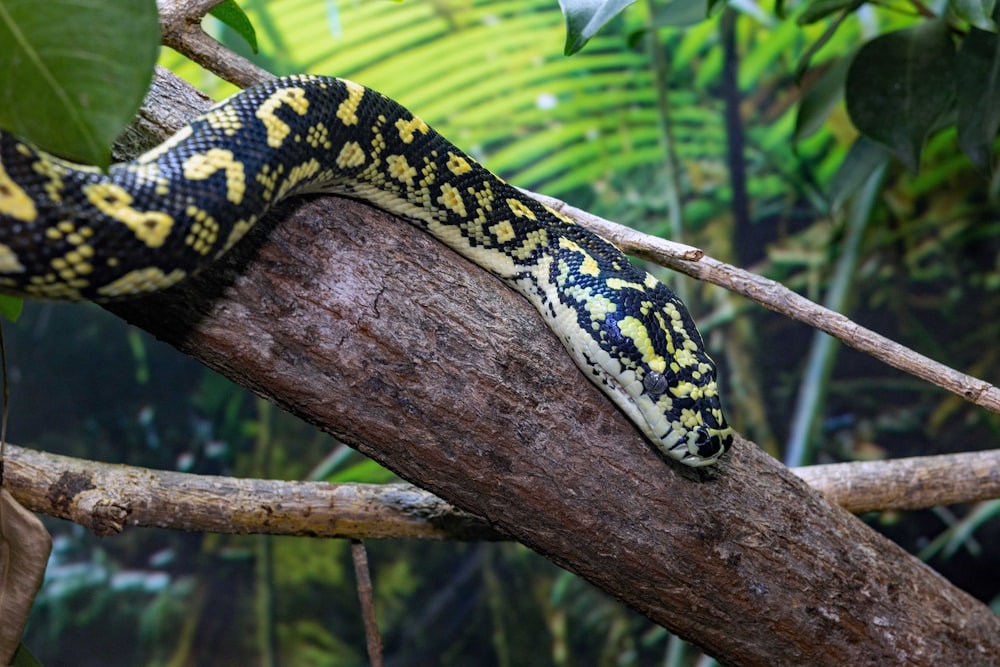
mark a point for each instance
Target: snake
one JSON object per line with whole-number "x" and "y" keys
{"x": 75, "y": 232}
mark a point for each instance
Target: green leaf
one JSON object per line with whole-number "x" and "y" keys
{"x": 978, "y": 81}
{"x": 584, "y": 18}
{"x": 673, "y": 14}
{"x": 900, "y": 85}
{"x": 73, "y": 72}
{"x": 820, "y": 9}
{"x": 831, "y": 29}
{"x": 680, "y": 13}
{"x": 861, "y": 161}
{"x": 10, "y": 307}
{"x": 233, "y": 16}
{"x": 979, "y": 13}
{"x": 24, "y": 658}
{"x": 820, "y": 98}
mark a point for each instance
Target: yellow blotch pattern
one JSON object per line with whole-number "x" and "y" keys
{"x": 400, "y": 169}
{"x": 588, "y": 265}
{"x": 452, "y": 200}
{"x": 351, "y": 155}
{"x": 532, "y": 240}
{"x": 238, "y": 231}
{"x": 504, "y": 231}
{"x": 54, "y": 173}
{"x": 458, "y": 165}
{"x": 347, "y": 112}
{"x": 297, "y": 175}
{"x": 618, "y": 283}
{"x": 14, "y": 201}
{"x": 521, "y": 210}
{"x": 150, "y": 227}
{"x": 319, "y": 136}
{"x": 204, "y": 231}
{"x": 141, "y": 280}
{"x": 634, "y": 329}
{"x": 407, "y": 128}
{"x": 8, "y": 260}
{"x": 276, "y": 128}
{"x": 202, "y": 165}
{"x": 224, "y": 118}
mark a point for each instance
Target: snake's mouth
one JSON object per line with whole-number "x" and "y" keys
{"x": 705, "y": 449}
{"x": 627, "y": 393}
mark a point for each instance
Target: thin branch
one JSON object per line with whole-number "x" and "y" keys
{"x": 106, "y": 498}
{"x": 363, "y": 576}
{"x": 777, "y": 297}
{"x": 180, "y": 28}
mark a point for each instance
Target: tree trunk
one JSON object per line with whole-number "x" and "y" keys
{"x": 375, "y": 332}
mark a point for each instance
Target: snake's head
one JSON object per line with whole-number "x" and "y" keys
{"x": 681, "y": 411}
{"x": 653, "y": 364}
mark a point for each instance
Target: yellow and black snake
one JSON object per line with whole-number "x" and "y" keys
{"x": 72, "y": 232}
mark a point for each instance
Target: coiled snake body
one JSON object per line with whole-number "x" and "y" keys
{"x": 72, "y": 232}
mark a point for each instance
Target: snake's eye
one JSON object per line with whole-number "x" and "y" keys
{"x": 655, "y": 383}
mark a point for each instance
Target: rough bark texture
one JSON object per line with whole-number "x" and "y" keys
{"x": 106, "y": 498}
{"x": 374, "y": 332}
{"x": 907, "y": 484}
{"x": 369, "y": 329}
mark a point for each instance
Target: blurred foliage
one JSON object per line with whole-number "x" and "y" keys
{"x": 624, "y": 133}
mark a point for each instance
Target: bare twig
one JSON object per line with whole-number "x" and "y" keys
{"x": 180, "y": 27}
{"x": 364, "y": 579}
{"x": 777, "y": 297}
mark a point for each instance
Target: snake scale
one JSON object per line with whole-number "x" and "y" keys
{"x": 72, "y": 232}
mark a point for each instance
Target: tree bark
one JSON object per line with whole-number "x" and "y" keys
{"x": 369, "y": 329}
{"x": 106, "y": 498}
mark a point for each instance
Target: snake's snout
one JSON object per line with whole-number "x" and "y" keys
{"x": 714, "y": 436}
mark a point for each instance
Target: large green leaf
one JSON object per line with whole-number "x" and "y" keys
{"x": 978, "y": 77}
{"x": 900, "y": 85}
{"x": 585, "y": 17}
{"x": 73, "y": 72}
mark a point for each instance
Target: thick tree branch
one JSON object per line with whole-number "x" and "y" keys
{"x": 381, "y": 336}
